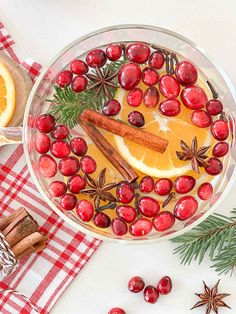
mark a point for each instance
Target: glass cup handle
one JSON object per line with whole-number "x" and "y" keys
{"x": 11, "y": 135}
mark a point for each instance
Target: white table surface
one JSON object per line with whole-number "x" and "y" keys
{"x": 42, "y": 28}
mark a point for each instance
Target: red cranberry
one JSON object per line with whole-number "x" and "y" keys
{"x": 79, "y": 83}
{"x": 184, "y": 184}
{"x": 78, "y": 67}
{"x": 88, "y": 164}
{"x": 138, "y": 52}
{"x": 214, "y": 107}
{"x": 205, "y": 191}
{"x": 126, "y": 212}
{"x": 136, "y": 118}
{"x": 150, "y": 294}
{"x": 111, "y": 107}
{"x": 185, "y": 207}
{"x": 84, "y": 210}
{"x": 125, "y": 192}
{"x": 163, "y": 221}
{"x": 42, "y": 143}
{"x": 129, "y": 76}
{"x": 169, "y": 86}
{"x": 78, "y": 146}
{"x": 186, "y": 73}
{"x": 47, "y": 166}
{"x": 163, "y": 186}
{"x": 170, "y": 107}
{"x": 119, "y": 227}
{"x": 136, "y": 284}
{"x": 57, "y": 188}
{"x": 68, "y": 201}
{"x": 164, "y": 286}
{"x": 60, "y": 149}
{"x": 68, "y": 166}
{"x": 220, "y": 149}
{"x": 140, "y": 227}
{"x": 76, "y": 183}
{"x": 114, "y": 52}
{"x": 102, "y": 220}
{"x": 135, "y": 97}
{"x": 45, "y": 123}
{"x": 214, "y": 166}
{"x": 64, "y": 78}
{"x": 151, "y": 97}
{"x": 146, "y": 184}
{"x": 116, "y": 310}
{"x": 156, "y": 60}
{"x": 96, "y": 58}
{"x": 201, "y": 118}
{"x": 150, "y": 77}
{"x": 60, "y": 132}
{"x": 148, "y": 206}
{"x": 220, "y": 130}
{"x": 194, "y": 97}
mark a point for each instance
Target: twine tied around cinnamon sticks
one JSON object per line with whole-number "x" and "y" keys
{"x": 7, "y": 257}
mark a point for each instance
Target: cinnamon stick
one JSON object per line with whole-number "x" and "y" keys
{"x": 7, "y": 220}
{"x": 136, "y": 135}
{"x": 27, "y": 242}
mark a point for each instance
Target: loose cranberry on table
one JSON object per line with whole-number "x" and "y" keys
{"x": 129, "y": 76}
{"x": 205, "y": 191}
{"x": 88, "y": 164}
{"x": 79, "y": 83}
{"x": 193, "y": 97}
{"x": 47, "y": 166}
{"x": 136, "y": 284}
{"x": 151, "y": 294}
{"x": 186, "y": 73}
{"x": 184, "y": 184}
{"x": 85, "y": 210}
{"x": 124, "y": 192}
{"x": 78, "y": 146}
{"x": 96, "y": 58}
{"x": 220, "y": 130}
{"x": 185, "y": 207}
{"x": 201, "y": 118}
{"x": 102, "y": 220}
{"x": 42, "y": 143}
{"x": 60, "y": 149}
{"x": 116, "y": 310}
{"x": 68, "y": 166}
{"x": 135, "y": 97}
{"x": 163, "y": 221}
{"x": 136, "y": 118}
{"x": 140, "y": 227}
{"x": 156, "y": 60}
{"x": 163, "y": 186}
{"x": 76, "y": 183}
{"x": 138, "y": 52}
{"x": 148, "y": 206}
{"x": 164, "y": 286}
{"x": 146, "y": 185}
{"x": 111, "y": 107}
{"x": 169, "y": 86}
{"x": 68, "y": 201}
{"x": 214, "y": 107}
{"x": 114, "y": 52}
{"x": 60, "y": 132}
{"x": 45, "y": 123}
{"x": 150, "y": 77}
{"x": 57, "y": 188}
{"x": 119, "y": 227}
{"x": 78, "y": 67}
{"x": 170, "y": 107}
{"x": 220, "y": 149}
{"x": 64, "y": 78}
{"x": 126, "y": 213}
{"x": 214, "y": 166}
{"x": 151, "y": 97}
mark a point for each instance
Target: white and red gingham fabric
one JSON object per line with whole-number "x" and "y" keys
{"x": 42, "y": 277}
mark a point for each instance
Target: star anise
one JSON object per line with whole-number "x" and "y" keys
{"x": 98, "y": 190}
{"x": 211, "y": 298}
{"x": 193, "y": 153}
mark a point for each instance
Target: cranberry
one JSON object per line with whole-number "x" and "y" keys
{"x": 111, "y": 107}
{"x": 45, "y": 123}
{"x": 214, "y": 166}
{"x": 136, "y": 118}
{"x": 79, "y": 83}
{"x": 42, "y": 143}
{"x": 135, "y": 97}
{"x": 136, "y": 284}
{"x": 76, "y": 183}
{"x": 60, "y": 149}
{"x": 127, "y": 213}
{"x": 68, "y": 166}
{"x": 184, "y": 184}
{"x": 88, "y": 164}
{"x": 68, "y": 201}
{"x": 151, "y": 97}
{"x": 78, "y": 67}
{"x": 220, "y": 149}
{"x": 78, "y": 146}
{"x": 201, "y": 118}
{"x": 57, "y": 188}
{"x": 129, "y": 76}
{"x": 214, "y": 107}
{"x": 47, "y": 166}
{"x": 164, "y": 286}
{"x": 156, "y": 60}
{"x": 84, "y": 210}
{"x": 163, "y": 221}
{"x": 186, "y": 73}
{"x": 116, "y": 310}
{"x": 194, "y": 97}
{"x": 138, "y": 52}
{"x": 146, "y": 184}
{"x": 124, "y": 192}
{"x": 114, "y": 52}
{"x": 60, "y": 132}
{"x": 148, "y": 206}
{"x": 150, "y": 76}
{"x": 96, "y": 58}
{"x": 64, "y": 78}
{"x": 150, "y": 294}
{"x": 102, "y": 220}
{"x": 220, "y": 130}
{"x": 170, "y": 107}
{"x": 169, "y": 86}
{"x": 119, "y": 227}
{"x": 205, "y": 191}
{"x": 185, "y": 207}
{"x": 140, "y": 227}
{"x": 163, "y": 186}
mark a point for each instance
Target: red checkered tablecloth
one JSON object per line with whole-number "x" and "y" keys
{"x": 42, "y": 277}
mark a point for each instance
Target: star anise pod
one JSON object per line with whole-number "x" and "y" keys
{"x": 98, "y": 190}
{"x": 211, "y": 298}
{"x": 193, "y": 153}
